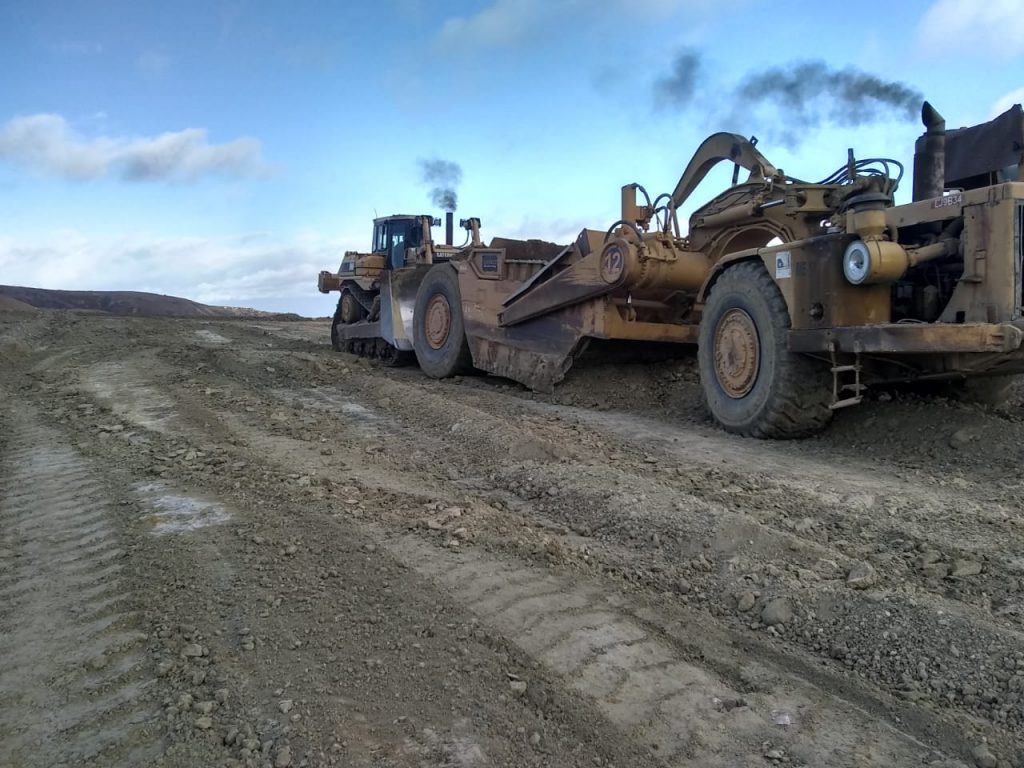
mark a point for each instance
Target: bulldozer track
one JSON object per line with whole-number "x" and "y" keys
{"x": 124, "y": 390}
{"x": 378, "y": 349}
{"x": 72, "y": 668}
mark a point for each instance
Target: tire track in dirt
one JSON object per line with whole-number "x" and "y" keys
{"x": 684, "y": 713}
{"x": 454, "y": 743}
{"x": 933, "y": 536}
{"x": 942, "y": 646}
{"x": 746, "y": 526}
{"x": 923, "y": 531}
{"x": 72, "y": 666}
{"x": 554, "y": 622}
{"x": 125, "y": 390}
{"x": 460, "y": 429}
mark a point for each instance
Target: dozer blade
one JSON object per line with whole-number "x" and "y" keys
{"x": 401, "y": 290}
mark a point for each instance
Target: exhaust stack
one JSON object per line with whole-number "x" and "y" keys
{"x": 930, "y": 156}
{"x": 449, "y": 227}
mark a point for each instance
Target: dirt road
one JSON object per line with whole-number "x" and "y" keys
{"x": 222, "y": 543}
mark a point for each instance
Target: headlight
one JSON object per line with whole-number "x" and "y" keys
{"x": 872, "y": 262}
{"x": 856, "y": 262}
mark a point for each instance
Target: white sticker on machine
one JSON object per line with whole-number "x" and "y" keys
{"x": 783, "y": 266}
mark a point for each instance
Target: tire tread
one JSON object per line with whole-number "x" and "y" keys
{"x": 798, "y": 405}
{"x": 441, "y": 276}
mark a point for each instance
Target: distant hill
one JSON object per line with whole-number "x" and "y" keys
{"x": 8, "y": 304}
{"x": 123, "y": 303}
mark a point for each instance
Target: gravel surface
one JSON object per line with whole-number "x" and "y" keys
{"x": 222, "y": 543}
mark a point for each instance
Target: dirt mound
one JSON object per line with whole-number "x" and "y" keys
{"x": 8, "y": 304}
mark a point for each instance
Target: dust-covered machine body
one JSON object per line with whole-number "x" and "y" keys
{"x": 378, "y": 288}
{"x": 798, "y": 294}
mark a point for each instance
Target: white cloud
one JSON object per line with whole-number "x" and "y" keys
{"x": 312, "y": 55}
{"x": 505, "y": 22}
{"x": 511, "y": 22}
{"x": 993, "y": 28}
{"x": 79, "y": 48}
{"x": 231, "y": 271}
{"x": 153, "y": 63}
{"x": 47, "y": 144}
{"x": 1005, "y": 102}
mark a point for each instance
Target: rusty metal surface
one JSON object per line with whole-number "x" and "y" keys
{"x": 610, "y": 324}
{"x": 363, "y": 330}
{"x": 438, "y": 321}
{"x": 911, "y": 338}
{"x": 327, "y": 282}
{"x": 737, "y": 353}
{"x": 561, "y": 260}
{"x": 975, "y": 154}
{"x": 527, "y": 249}
{"x": 717, "y": 148}
{"x": 818, "y": 295}
{"x": 537, "y": 353}
{"x": 930, "y": 155}
{"x": 575, "y": 283}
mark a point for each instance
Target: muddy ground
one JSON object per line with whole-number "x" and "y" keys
{"x": 224, "y": 544}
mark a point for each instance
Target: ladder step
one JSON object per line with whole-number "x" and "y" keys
{"x": 846, "y": 403}
{"x": 845, "y": 368}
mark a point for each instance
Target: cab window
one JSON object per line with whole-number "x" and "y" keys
{"x": 380, "y": 238}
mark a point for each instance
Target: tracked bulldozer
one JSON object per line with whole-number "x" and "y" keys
{"x": 799, "y": 295}
{"x": 369, "y": 319}
{"x": 378, "y": 289}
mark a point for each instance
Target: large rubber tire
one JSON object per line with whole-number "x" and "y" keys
{"x": 760, "y": 388}
{"x": 439, "y": 333}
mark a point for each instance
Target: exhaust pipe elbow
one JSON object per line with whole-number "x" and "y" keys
{"x": 933, "y": 121}
{"x": 930, "y": 155}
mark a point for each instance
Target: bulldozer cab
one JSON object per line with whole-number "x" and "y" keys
{"x": 392, "y": 235}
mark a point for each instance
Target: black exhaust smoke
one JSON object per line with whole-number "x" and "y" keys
{"x": 804, "y": 94}
{"x": 442, "y": 176}
{"x": 807, "y": 90}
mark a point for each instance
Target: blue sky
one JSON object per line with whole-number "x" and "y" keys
{"x": 227, "y": 151}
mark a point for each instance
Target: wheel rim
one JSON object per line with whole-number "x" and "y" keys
{"x": 438, "y": 321}
{"x": 737, "y": 353}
